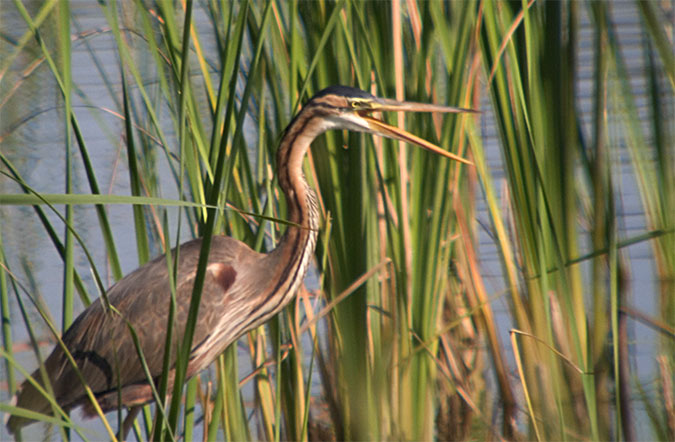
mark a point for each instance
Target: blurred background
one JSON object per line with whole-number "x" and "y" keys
{"x": 527, "y": 297}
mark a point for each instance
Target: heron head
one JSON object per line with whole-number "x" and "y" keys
{"x": 342, "y": 107}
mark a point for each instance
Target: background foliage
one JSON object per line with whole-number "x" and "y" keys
{"x": 395, "y": 337}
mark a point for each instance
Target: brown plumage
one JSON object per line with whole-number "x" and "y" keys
{"x": 242, "y": 289}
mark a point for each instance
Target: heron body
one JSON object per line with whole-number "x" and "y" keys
{"x": 242, "y": 288}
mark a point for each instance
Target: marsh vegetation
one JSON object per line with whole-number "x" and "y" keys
{"x": 404, "y": 330}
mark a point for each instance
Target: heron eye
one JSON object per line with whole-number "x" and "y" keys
{"x": 362, "y": 107}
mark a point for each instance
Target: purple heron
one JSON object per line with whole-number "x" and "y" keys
{"x": 242, "y": 288}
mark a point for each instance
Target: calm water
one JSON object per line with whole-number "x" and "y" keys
{"x": 32, "y": 136}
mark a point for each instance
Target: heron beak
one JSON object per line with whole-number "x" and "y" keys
{"x": 382, "y": 128}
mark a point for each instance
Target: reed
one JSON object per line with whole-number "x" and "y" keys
{"x": 401, "y": 334}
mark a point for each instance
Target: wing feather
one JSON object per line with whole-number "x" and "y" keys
{"x": 101, "y": 341}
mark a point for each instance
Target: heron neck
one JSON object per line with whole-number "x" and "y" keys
{"x": 297, "y": 244}
{"x": 290, "y": 259}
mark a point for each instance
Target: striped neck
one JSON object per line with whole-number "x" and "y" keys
{"x": 297, "y": 244}
{"x": 290, "y": 259}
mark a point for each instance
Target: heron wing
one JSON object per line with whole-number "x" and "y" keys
{"x": 101, "y": 341}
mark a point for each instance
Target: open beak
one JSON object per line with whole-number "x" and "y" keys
{"x": 382, "y": 128}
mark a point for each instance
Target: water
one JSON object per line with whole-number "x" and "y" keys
{"x": 32, "y": 136}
